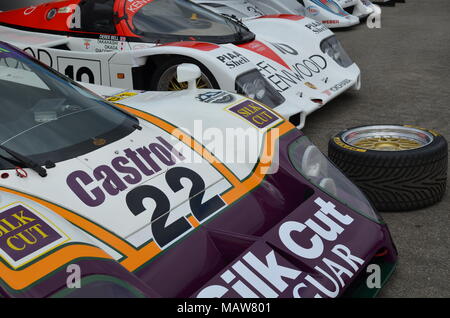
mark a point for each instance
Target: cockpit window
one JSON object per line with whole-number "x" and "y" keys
{"x": 97, "y": 16}
{"x": 179, "y": 20}
{"x": 46, "y": 117}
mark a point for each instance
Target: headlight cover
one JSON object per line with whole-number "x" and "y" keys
{"x": 333, "y": 48}
{"x": 315, "y": 166}
{"x": 334, "y": 7}
{"x": 252, "y": 84}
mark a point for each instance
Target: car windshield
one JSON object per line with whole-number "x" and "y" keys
{"x": 46, "y": 117}
{"x": 181, "y": 20}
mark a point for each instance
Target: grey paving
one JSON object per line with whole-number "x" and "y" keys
{"x": 405, "y": 70}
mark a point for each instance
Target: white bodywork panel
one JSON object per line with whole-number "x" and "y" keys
{"x": 332, "y": 14}
{"x": 284, "y": 61}
{"x": 136, "y": 229}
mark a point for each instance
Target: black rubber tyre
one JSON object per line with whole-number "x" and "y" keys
{"x": 175, "y": 61}
{"x": 390, "y": 3}
{"x": 399, "y": 180}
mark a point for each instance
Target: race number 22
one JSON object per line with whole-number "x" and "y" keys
{"x": 200, "y": 209}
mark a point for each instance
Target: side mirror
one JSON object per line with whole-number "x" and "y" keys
{"x": 187, "y": 72}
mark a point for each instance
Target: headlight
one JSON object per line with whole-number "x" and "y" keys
{"x": 252, "y": 84}
{"x": 255, "y": 89}
{"x": 334, "y": 49}
{"x": 316, "y": 167}
{"x": 313, "y": 162}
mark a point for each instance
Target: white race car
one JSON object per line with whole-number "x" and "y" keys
{"x": 359, "y": 8}
{"x": 139, "y": 44}
{"x": 328, "y": 12}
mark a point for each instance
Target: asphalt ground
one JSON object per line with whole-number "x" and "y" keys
{"x": 405, "y": 68}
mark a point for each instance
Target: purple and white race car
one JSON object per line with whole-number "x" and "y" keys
{"x": 133, "y": 200}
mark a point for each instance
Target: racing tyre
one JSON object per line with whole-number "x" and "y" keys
{"x": 165, "y": 76}
{"x": 389, "y": 3}
{"x": 399, "y": 168}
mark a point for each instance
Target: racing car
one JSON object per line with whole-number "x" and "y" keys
{"x": 139, "y": 44}
{"x": 327, "y": 12}
{"x": 123, "y": 200}
{"x": 359, "y": 8}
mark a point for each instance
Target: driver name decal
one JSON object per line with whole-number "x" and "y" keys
{"x": 23, "y": 232}
{"x": 92, "y": 188}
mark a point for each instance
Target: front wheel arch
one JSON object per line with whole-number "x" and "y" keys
{"x": 147, "y": 76}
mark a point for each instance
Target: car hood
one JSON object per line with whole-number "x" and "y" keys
{"x": 96, "y": 183}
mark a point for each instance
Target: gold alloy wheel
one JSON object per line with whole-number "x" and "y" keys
{"x": 174, "y": 85}
{"x": 387, "y": 138}
{"x": 387, "y": 143}
{"x": 398, "y": 168}
{"x": 168, "y": 81}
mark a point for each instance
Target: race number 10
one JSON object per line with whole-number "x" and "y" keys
{"x": 80, "y": 70}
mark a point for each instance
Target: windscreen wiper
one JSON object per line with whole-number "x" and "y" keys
{"x": 238, "y": 21}
{"x": 237, "y": 26}
{"x": 27, "y": 162}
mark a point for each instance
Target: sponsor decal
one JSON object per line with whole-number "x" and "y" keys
{"x": 330, "y": 21}
{"x": 254, "y": 113}
{"x": 337, "y": 87}
{"x": 216, "y": 97}
{"x": 263, "y": 272}
{"x": 342, "y": 144}
{"x": 40, "y": 54}
{"x": 23, "y": 232}
{"x": 233, "y": 60}
{"x": 121, "y": 96}
{"x": 433, "y": 132}
{"x": 65, "y": 10}
{"x": 316, "y": 27}
{"x": 284, "y": 79}
{"x": 312, "y": 11}
{"x": 29, "y": 10}
{"x": 87, "y": 44}
{"x": 126, "y": 170}
{"x": 135, "y": 5}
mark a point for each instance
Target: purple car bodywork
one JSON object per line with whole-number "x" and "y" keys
{"x": 286, "y": 238}
{"x": 245, "y": 252}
